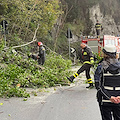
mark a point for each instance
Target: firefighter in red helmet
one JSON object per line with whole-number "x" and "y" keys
{"x": 41, "y": 54}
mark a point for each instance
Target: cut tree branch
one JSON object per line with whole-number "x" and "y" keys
{"x": 34, "y": 39}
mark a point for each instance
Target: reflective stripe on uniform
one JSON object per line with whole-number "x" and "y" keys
{"x": 91, "y": 58}
{"x": 89, "y": 80}
{"x": 87, "y": 62}
{"x": 75, "y": 75}
{"x": 108, "y": 88}
{"x": 98, "y": 28}
{"x": 106, "y": 101}
{"x": 98, "y": 25}
{"x": 109, "y": 74}
{"x": 84, "y": 53}
{"x": 111, "y": 88}
{"x": 117, "y": 88}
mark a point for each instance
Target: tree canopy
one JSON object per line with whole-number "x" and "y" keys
{"x": 23, "y": 17}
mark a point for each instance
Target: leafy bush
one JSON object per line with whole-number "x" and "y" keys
{"x": 98, "y": 58}
{"x": 26, "y": 72}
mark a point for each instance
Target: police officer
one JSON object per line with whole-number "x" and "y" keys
{"x": 98, "y": 27}
{"x": 88, "y": 60}
{"x": 107, "y": 83}
{"x": 41, "y": 54}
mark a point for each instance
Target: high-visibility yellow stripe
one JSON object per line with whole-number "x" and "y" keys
{"x": 76, "y": 74}
{"x": 91, "y": 58}
{"x": 92, "y": 61}
{"x": 87, "y": 62}
{"x": 89, "y": 80}
{"x": 98, "y": 25}
{"x": 85, "y": 53}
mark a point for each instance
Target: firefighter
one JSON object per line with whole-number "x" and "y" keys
{"x": 41, "y": 54}
{"x": 88, "y": 60}
{"x": 98, "y": 27}
{"x": 107, "y": 83}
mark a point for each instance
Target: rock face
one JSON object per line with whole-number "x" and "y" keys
{"x": 110, "y": 27}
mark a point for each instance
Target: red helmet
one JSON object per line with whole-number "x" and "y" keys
{"x": 40, "y": 43}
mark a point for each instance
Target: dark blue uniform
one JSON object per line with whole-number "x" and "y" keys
{"x": 107, "y": 83}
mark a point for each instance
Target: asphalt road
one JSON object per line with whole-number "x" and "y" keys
{"x": 67, "y": 103}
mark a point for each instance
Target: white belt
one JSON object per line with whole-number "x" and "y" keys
{"x": 111, "y": 88}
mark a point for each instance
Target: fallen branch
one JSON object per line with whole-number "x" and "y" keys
{"x": 34, "y": 39}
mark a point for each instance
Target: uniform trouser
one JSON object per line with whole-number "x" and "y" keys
{"x": 85, "y": 67}
{"x": 98, "y": 32}
{"x": 109, "y": 112}
{"x": 41, "y": 60}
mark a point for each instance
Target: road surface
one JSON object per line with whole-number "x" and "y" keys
{"x": 67, "y": 103}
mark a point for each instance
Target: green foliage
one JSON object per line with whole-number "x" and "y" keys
{"x": 18, "y": 73}
{"x": 98, "y": 59}
{"x": 1, "y": 45}
{"x": 23, "y": 17}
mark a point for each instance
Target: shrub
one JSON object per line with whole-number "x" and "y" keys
{"x": 25, "y": 72}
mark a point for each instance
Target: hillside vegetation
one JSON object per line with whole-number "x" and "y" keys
{"x": 30, "y": 21}
{"x": 18, "y": 72}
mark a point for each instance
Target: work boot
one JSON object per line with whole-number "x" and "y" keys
{"x": 90, "y": 86}
{"x": 71, "y": 78}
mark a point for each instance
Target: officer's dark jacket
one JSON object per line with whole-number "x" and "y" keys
{"x": 107, "y": 82}
{"x": 87, "y": 54}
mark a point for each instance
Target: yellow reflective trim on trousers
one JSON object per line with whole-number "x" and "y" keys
{"x": 87, "y": 62}
{"x": 75, "y": 75}
{"x": 89, "y": 80}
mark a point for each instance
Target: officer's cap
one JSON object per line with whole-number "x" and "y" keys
{"x": 110, "y": 50}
